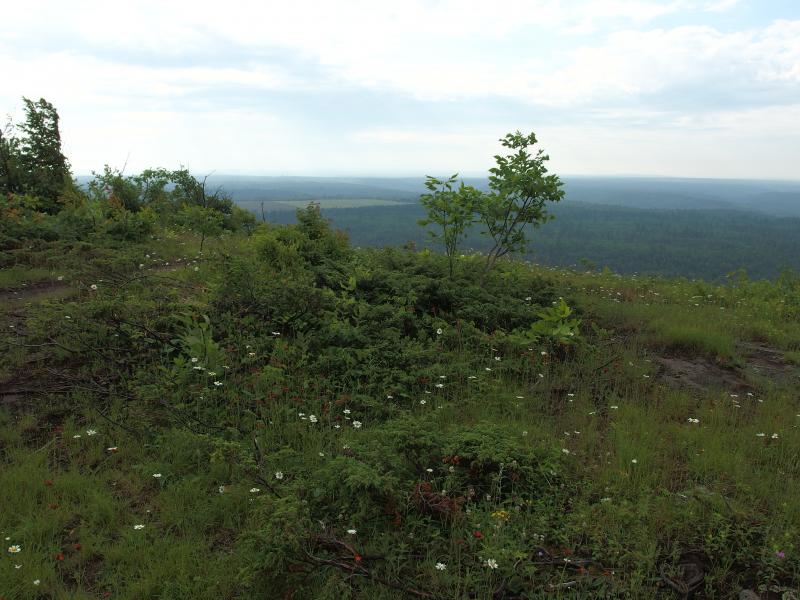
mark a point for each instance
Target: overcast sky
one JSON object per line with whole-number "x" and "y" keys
{"x": 698, "y": 88}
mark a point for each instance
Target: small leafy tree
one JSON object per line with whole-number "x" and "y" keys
{"x": 44, "y": 167}
{"x": 451, "y": 209}
{"x": 241, "y": 219}
{"x": 190, "y": 190}
{"x": 33, "y": 163}
{"x": 112, "y": 187}
{"x": 520, "y": 188}
{"x": 205, "y": 221}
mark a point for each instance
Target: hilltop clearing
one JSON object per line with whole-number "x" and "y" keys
{"x": 284, "y": 416}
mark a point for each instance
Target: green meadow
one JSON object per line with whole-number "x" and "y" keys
{"x": 196, "y": 405}
{"x": 283, "y": 416}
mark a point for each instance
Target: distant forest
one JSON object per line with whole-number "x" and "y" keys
{"x": 692, "y": 228}
{"x": 706, "y": 244}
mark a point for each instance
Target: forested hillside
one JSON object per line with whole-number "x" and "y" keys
{"x": 708, "y": 244}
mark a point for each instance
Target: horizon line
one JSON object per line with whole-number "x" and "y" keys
{"x": 473, "y": 175}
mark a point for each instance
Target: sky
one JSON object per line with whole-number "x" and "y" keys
{"x": 677, "y": 88}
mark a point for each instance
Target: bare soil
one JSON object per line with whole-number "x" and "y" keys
{"x": 702, "y": 374}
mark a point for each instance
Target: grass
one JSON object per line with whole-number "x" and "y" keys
{"x": 15, "y": 277}
{"x": 689, "y": 317}
{"x": 581, "y": 451}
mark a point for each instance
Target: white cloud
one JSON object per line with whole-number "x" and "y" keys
{"x": 721, "y": 5}
{"x": 684, "y": 60}
{"x": 444, "y": 50}
{"x": 163, "y": 79}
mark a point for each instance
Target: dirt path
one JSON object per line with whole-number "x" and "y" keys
{"x": 35, "y": 292}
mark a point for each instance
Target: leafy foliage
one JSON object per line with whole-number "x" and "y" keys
{"x": 34, "y": 164}
{"x": 451, "y": 210}
{"x": 520, "y": 188}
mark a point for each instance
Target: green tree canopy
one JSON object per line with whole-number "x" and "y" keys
{"x": 34, "y": 163}
{"x": 520, "y": 188}
{"x": 44, "y": 167}
{"x": 451, "y": 209}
